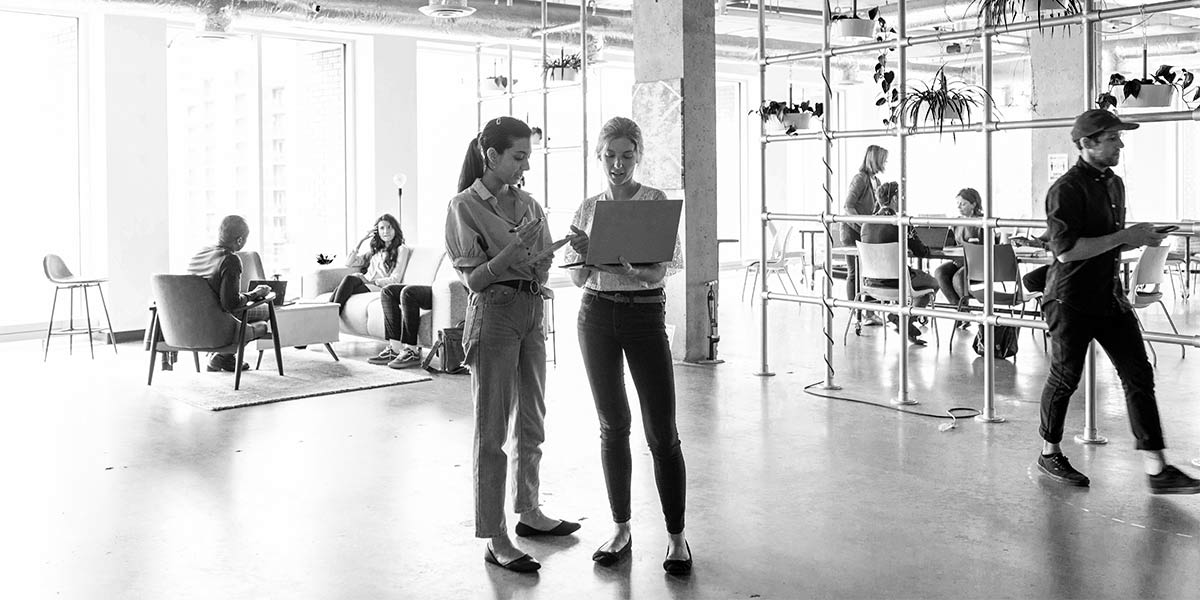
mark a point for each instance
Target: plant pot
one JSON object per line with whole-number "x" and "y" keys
{"x": 1150, "y": 96}
{"x": 561, "y": 74}
{"x": 1042, "y": 8}
{"x": 498, "y": 83}
{"x": 853, "y": 29}
{"x": 773, "y": 125}
{"x": 798, "y": 121}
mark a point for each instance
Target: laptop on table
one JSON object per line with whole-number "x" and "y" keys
{"x": 935, "y": 238}
{"x": 277, "y": 286}
{"x": 641, "y": 231}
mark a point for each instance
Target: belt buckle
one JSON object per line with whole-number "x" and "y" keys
{"x": 535, "y": 287}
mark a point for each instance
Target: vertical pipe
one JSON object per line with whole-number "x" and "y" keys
{"x": 1090, "y": 430}
{"x": 479, "y": 86}
{"x": 763, "y": 370}
{"x": 902, "y": 141}
{"x": 827, "y": 290}
{"x": 511, "y": 82}
{"x": 583, "y": 95}
{"x": 545, "y": 94}
{"x": 989, "y": 366}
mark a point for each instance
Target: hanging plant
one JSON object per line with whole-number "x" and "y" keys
{"x": 853, "y": 26}
{"x": 499, "y": 82}
{"x": 939, "y": 101}
{"x": 563, "y": 68}
{"x": 786, "y": 117}
{"x": 1005, "y": 12}
{"x": 1155, "y": 91}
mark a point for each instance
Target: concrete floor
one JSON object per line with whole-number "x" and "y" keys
{"x": 113, "y": 492}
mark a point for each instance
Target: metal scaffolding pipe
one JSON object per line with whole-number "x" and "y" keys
{"x": 763, "y": 369}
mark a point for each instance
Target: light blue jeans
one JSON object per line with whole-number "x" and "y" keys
{"x": 505, "y": 344}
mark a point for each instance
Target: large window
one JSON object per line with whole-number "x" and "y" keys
{"x": 39, "y": 157}
{"x": 258, "y": 128}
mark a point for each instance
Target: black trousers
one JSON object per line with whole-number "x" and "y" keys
{"x": 402, "y": 306}
{"x": 1070, "y": 333}
{"x": 611, "y": 333}
{"x": 350, "y": 285}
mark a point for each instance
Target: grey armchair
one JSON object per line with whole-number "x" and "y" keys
{"x": 188, "y": 318}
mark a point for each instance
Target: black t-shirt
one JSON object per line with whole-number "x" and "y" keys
{"x": 1085, "y": 203}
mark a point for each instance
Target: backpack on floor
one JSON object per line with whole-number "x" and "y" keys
{"x": 1006, "y": 342}
{"x": 448, "y": 349}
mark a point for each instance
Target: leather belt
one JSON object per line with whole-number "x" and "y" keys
{"x": 523, "y": 285}
{"x": 638, "y": 297}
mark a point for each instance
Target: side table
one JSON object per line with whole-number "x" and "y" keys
{"x": 304, "y": 323}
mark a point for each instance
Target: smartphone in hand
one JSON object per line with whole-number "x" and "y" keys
{"x": 1166, "y": 228}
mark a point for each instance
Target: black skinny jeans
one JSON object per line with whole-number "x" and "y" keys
{"x": 611, "y": 333}
{"x": 350, "y": 285}
{"x": 402, "y": 306}
{"x": 1119, "y": 335}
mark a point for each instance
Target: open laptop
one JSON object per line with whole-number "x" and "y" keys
{"x": 641, "y": 231}
{"x": 277, "y": 286}
{"x": 935, "y": 238}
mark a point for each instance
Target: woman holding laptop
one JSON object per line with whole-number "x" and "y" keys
{"x": 495, "y": 235}
{"x": 621, "y": 318}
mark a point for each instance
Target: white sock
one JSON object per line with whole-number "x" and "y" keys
{"x": 396, "y": 346}
{"x": 413, "y": 347}
{"x": 1153, "y": 461}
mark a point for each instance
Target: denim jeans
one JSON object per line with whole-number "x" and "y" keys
{"x": 1070, "y": 333}
{"x": 402, "y": 306}
{"x": 611, "y": 333}
{"x": 505, "y": 343}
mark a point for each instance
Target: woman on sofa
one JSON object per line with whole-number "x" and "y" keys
{"x": 377, "y": 255}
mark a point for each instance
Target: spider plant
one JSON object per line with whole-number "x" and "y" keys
{"x": 1005, "y": 12}
{"x": 938, "y": 101}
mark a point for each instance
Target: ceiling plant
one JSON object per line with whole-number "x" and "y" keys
{"x": 939, "y": 101}
{"x": 1155, "y": 90}
{"x": 787, "y": 117}
{"x": 1005, "y": 12}
{"x": 563, "y": 68}
{"x": 853, "y": 25}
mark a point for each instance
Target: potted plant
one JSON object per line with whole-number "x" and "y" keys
{"x": 939, "y": 101}
{"x": 498, "y": 83}
{"x": 787, "y": 117}
{"x": 564, "y": 68}
{"x": 1004, "y": 12}
{"x": 1155, "y": 91}
{"x": 851, "y": 26}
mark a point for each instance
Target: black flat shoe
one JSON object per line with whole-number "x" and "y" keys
{"x": 679, "y": 567}
{"x": 524, "y": 564}
{"x": 563, "y": 528}
{"x": 605, "y": 558}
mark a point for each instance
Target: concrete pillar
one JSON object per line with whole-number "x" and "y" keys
{"x": 128, "y": 161}
{"x": 1056, "y": 60}
{"x": 674, "y": 101}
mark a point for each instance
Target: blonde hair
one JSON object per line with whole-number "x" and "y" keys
{"x": 873, "y": 159}
{"x": 617, "y": 128}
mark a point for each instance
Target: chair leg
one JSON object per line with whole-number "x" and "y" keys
{"x": 1182, "y": 348}
{"x": 275, "y": 338}
{"x": 50, "y": 326}
{"x": 846, "y": 334}
{"x": 153, "y": 350}
{"x": 112, "y": 335}
{"x": 329, "y": 347}
{"x": 71, "y": 325}
{"x": 258, "y": 363}
{"x": 237, "y": 366}
{"x": 745, "y": 278}
{"x": 87, "y": 310}
{"x": 196, "y": 359}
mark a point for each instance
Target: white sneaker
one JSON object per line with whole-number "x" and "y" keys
{"x": 384, "y": 357}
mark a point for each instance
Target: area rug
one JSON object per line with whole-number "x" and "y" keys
{"x": 305, "y": 374}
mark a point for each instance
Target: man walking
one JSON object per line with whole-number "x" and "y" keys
{"x": 1084, "y": 301}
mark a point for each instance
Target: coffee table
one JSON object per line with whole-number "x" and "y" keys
{"x": 304, "y": 323}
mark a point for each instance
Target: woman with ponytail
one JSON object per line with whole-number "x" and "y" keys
{"x": 495, "y": 233}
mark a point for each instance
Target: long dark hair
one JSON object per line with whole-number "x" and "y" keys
{"x": 885, "y": 197}
{"x": 972, "y": 196}
{"x": 390, "y": 250}
{"x": 499, "y": 134}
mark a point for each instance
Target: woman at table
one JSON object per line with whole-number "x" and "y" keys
{"x": 951, "y": 276}
{"x": 377, "y": 256}
{"x": 877, "y": 233}
{"x": 860, "y": 200}
{"x": 621, "y": 319}
{"x": 494, "y": 233}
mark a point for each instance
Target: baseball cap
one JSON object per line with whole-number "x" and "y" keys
{"x": 1096, "y": 121}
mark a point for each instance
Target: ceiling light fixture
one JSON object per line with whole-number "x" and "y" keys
{"x": 446, "y": 9}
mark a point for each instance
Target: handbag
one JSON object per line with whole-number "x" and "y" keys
{"x": 1006, "y": 342}
{"x": 448, "y": 349}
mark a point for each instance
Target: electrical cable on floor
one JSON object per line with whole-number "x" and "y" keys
{"x": 950, "y": 412}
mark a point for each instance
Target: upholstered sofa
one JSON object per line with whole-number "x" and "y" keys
{"x": 422, "y": 265}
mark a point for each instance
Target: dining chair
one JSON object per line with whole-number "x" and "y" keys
{"x": 882, "y": 261}
{"x": 1145, "y": 288}
{"x": 778, "y": 261}
{"x": 1011, "y": 295}
{"x": 63, "y": 279}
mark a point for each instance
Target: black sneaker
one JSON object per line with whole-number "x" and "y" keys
{"x": 1057, "y": 467}
{"x": 223, "y": 362}
{"x": 384, "y": 357}
{"x": 1173, "y": 481}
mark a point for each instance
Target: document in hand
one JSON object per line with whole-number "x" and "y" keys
{"x": 640, "y": 231}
